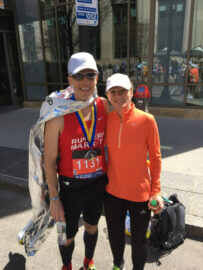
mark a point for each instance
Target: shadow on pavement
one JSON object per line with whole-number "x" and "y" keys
{"x": 8, "y": 108}
{"x": 179, "y": 135}
{"x": 14, "y": 162}
{"x": 16, "y": 261}
{"x": 13, "y": 202}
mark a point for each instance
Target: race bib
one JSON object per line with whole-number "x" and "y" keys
{"x": 87, "y": 163}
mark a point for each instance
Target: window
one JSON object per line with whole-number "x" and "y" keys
{"x": 120, "y": 30}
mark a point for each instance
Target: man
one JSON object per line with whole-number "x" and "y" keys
{"x": 76, "y": 141}
{"x": 131, "y": 135}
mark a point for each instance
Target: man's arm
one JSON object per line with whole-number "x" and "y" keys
{"x": 53, "y": 129}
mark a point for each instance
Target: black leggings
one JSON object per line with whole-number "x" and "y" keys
{"x": 115, "y": 211}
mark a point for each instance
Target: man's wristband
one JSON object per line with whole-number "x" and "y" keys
{"x": 54, "y": 198}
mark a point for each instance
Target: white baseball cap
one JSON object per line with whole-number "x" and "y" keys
{"x": 118, "y": 79}
{"x": 80, "y": 61}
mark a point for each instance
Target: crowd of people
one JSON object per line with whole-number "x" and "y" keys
{"x": 137, "y": 70}
{"x": 74, "y": 159}
{"x": 176, "y": 71}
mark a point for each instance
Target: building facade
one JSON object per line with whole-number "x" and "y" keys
{"x": 10, "y": 79}
{"x": 156, "y": 42}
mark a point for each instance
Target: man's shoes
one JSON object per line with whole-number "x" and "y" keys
{"x": 67, "y": 267}
{"x": 115, "y": 268}
{"x": 118, "y": 268}
{"x": 89, "y": 264}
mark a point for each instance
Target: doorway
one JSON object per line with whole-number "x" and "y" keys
{"x": 5, "y": 96}
{"x": 10, "y": 79}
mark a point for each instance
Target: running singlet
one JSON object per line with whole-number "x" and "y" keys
{"x": 77, "y": 159}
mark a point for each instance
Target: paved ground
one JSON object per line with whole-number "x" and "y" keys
{"x": 15, "y": 211}
{"x": 182, "y": 173}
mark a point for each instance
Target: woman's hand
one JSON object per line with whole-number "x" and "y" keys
{"x": 159, "y": 202}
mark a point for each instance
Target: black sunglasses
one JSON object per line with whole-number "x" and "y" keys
{"x": 80, "y": 76}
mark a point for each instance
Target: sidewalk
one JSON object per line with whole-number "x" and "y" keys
{"x": 15, "y": 211}
{"x": 182, "y": 153}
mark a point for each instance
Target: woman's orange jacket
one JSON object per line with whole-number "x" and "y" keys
{"x": 128, "y": 141}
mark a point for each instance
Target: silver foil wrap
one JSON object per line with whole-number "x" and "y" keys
{"x": 38, "y": 228}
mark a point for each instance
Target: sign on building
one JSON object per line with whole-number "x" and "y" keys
{"x": 87, "y": 12}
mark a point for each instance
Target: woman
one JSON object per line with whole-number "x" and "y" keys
{"x": 131, "y": 136}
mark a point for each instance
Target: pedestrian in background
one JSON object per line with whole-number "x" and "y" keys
{"x": 131, "y": 135}
{"x": 142, "y": 96}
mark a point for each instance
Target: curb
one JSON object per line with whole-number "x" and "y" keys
{"x": 13, "y": 183}
{"x": 19, "y": 184}
{"x": 194, "y": 232}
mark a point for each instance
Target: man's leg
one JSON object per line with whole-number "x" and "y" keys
{"x": 115, "y": 212}
{"x": 90, "y": 239}
{"x": 139, "y": 219}
{"x": 92, "y": 210}
{"x": 66, "y": 252}
{"x": 72, "y": 203}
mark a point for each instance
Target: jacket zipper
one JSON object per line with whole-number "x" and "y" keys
{"x": 119, "y": 135}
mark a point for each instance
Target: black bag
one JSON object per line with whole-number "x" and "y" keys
{"x": 167, "y": 229}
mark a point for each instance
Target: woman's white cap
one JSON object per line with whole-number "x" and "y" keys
{"x": 118, "y": 79}
{"x": 80, "y": 61}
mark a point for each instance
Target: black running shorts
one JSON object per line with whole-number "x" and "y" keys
{"x": 87, "y": 200}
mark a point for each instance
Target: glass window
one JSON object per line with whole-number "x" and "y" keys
{"x": 167, "y": 95}
{"x": 170, "y": 41}
{"x": 139, "y": 40}
{"x": 68, "y": 35}
{"x": 63, "y": 1}
{"x": 7, "y": 23}
{"x": 194, "y": 95}
{"x": 162, "y": 8}
{"x": 53, "y": 88}
{"x": 50, "y": 42}
{"x": 113, "y": 39}
{"x": 120, "y": 30}
{"x": 180, "y": 7}
{"x": 74, "y": 38}
{"x": 5, "y": 97}
{"x": 36, "y": 92}
{"x": 196, "y": 54}
{"x": 30, "y": 40}
{"x": 14, "y": 64}
{"x": 49, "y": 2}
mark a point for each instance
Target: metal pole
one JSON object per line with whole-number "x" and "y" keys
{"x": 58, "y": 47}
{"x": 151, "y": 42}
{"x": 43, "y": 48}
{"x": 19, "y": 52}
{"x": 189, "y": 48}
{"x": 5, "y": 41}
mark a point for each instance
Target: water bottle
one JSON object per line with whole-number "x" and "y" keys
{"x": 127, "y": 224}
{"x": 154, "y": 205}
{"x": 61, "y": 230}
{"x": 148, "y": 230}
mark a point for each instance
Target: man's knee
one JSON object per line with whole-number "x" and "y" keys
{"x": 91, "y": 229}
{"x": 68, "y": 242}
